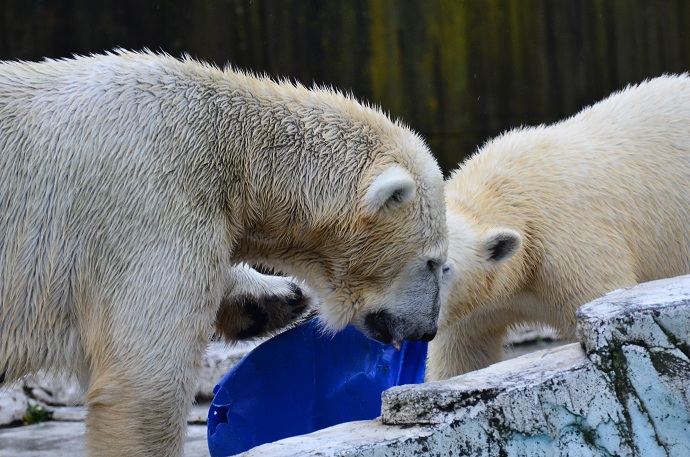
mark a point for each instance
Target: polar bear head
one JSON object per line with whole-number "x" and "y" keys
{"x": 391, "y": 284}
{"x": 381, "y": 266}
{"x": 485, "y": 264}
{"x": 356, "y": 210}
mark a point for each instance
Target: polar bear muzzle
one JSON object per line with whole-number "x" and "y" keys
{"x": 413, "y": 314}
{"x": 380, "y": 325}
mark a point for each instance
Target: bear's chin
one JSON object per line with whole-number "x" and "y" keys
{"x": 381, "y": 326}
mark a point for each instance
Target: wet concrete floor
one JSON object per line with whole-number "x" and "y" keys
{"x": 65, "y": 438}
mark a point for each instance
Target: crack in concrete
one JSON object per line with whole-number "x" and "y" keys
{"x": 672, "y": 338}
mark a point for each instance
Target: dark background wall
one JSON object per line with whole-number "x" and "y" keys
{"x": 457, "y": 71}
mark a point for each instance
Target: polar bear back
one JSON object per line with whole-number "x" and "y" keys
{"x": 607, "y": 172}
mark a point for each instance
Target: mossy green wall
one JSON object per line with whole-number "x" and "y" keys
{"x": 458, "y": 71}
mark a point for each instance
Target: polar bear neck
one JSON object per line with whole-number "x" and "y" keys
{"x": 285, "y": 153}
{"x": 298, "y": 158}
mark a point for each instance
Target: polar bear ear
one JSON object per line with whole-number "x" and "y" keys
{"x": 500, "y": 244}
{"x": 392, "y": 189}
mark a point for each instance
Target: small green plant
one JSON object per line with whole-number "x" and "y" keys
{"x": 35, "y": 413}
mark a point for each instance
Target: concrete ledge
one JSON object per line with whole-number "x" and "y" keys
{"x": 437, "y": 402}
{"x": 628, "y": 394}
{"x": 13, "y": 405}
{"x": 66, "y": 439}
{"x": 657, "y": 313}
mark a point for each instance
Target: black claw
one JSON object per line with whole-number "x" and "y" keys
{"x": 297, "y": 310}
{"x": 299, "y": 296}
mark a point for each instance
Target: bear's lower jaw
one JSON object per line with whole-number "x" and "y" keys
{"x": 377, "y": 326}
{"x": 381, "y": 326}
{"x": 428, "y": 336}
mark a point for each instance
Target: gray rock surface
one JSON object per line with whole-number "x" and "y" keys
{"x": 53, "y": 390}
{"x": 66, "y": 439}
{"x": 13, "y": 405}
{"x": 626, "y": 393}
{"x": 218, "y": 360}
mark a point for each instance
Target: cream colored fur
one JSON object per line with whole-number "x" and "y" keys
{"x": 131, "y": 187}
{"x": 594, "y": 203}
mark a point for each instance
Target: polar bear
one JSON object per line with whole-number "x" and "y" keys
{"x": 133, "y": 185}
{"x": 542, "y": 220}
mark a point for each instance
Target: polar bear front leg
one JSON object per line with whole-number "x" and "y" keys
{"x": 141, "y": 391}
{"x": 134, "y": 413}
{"x": 465, "y": 346}
{"x": 144, "y": 350}
{"x": 258, "y": 305}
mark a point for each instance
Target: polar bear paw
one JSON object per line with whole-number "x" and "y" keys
{"x": 261, "y": 305}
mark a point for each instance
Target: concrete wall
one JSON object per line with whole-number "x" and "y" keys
{"x": 624, "y": 390}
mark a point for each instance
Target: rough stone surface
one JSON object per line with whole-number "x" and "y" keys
{"x": 437, "y": 402}
{"x": 62, "y": 396}
{"x": 66, "y": 439}
{"x": 53, "y": 390}
{"x": 218, "y": 360}
{"x": 68, "y": 413}
{"x": 626, "y": 393}
{"x": 13, "y": 405}
{"x": 659, "y": 310}
{"x": 63, "y": 436}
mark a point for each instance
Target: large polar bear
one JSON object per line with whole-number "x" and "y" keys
{"x": 133, "y": 184}
{"x": 543, "y": 220}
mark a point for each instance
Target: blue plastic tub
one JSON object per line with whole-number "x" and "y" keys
{"x": 302, "y": 381}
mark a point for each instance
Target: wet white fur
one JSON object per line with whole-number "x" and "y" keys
{"x": 133, "y": 184}
{"x": 247, "y": 282}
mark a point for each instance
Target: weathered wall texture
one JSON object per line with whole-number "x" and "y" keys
{"x": 626, "y": 393}
{"x": 459, "y": 72}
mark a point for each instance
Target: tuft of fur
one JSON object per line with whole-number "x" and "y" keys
{"x": 132, "y": 187}
{"x": 597, "y": 202}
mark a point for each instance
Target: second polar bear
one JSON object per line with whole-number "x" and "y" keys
{"x": 543, "y": 220}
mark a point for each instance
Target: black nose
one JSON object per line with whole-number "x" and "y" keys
{"x": 428, "y": 336}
